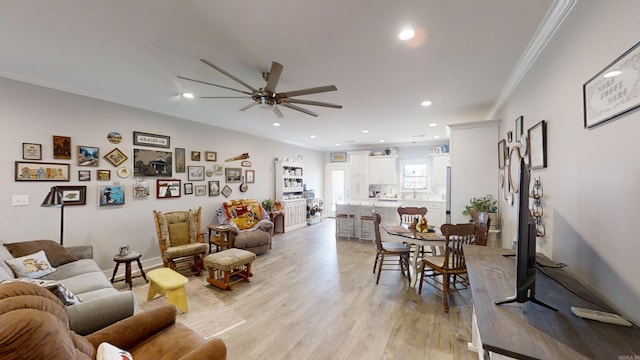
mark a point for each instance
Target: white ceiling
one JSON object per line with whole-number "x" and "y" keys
{"x": 130, "y": 52}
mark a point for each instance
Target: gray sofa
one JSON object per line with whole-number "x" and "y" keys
{"x": 100, "y": 303}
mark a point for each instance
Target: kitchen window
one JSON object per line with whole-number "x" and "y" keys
{"x": 414, "y": 174}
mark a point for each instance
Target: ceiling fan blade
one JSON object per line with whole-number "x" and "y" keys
{"x": 311, "y": 102}
{"x": 274, "y": 76}
{"x": 314, "y": 90}
{"x": 229, "y": 75}
{"x": 208, "y": 83}
{"x": 248, "y": 106}
{"x": 277, "y": 112}
{"x": 298, "y": 108}
{"x": 225, "y": 97}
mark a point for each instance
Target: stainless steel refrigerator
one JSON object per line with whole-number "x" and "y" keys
{"x": 448, "y": 197}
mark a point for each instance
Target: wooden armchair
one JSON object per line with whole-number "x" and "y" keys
{"x": 180, "y": 239}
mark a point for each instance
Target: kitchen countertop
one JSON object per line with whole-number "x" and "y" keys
{"x": 387, "y": 202}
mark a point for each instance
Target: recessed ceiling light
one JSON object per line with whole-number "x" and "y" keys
{"x": 365, "y": 131}
{"x": 406, "y": 34}
{"x": 612, "y": 73}
{"x": 436, "y": 137}
{"x": 337, "y": 144}
{"x": 381, "y": 141}
{"x": 433, "y": 124}
{"x": 312, "y": 136}
{"x": 420, "y": 135}
{"x": 276, "y": 124}
{"x": 187, "y": 95}
{"x": 426, "y": 103}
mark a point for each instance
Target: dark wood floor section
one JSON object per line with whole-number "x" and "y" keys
{"x": 315, "y": 297}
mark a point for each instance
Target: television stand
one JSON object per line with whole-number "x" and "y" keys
{"x": 512, "y": 299}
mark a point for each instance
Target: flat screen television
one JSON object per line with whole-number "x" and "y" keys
{"x": 526, "y": 246}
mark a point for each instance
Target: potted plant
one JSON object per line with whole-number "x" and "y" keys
{"x": 267, "y": 205}
{"x": 486, "y": 204}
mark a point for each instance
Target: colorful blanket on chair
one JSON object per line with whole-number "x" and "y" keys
{"x": 245, "y": 213}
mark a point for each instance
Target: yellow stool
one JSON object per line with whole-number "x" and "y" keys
{"x": 227, "y": 263}
{"x": 165, "y": 280}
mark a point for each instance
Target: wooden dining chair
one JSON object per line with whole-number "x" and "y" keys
{"x": 482, "y": 221}
{"x": 387, "y": 250}
{"x": 408, "y": 214}
{"x": 443, "y": 272}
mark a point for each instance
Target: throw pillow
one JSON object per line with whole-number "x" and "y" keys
{"x": 33, "y": 266}
{"x": 179, "y": 233}
{"x": 56, "y": 253}
{"x": 107, "y": 351}
{"x": 60, "y": 291}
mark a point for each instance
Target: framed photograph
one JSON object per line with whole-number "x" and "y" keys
{"x": 111, "y": 195}
{"x": 73, "y": 195}
{"x": 168, "y": 188}
{"x": 61, "y": 147}
{"x": 103, "y": 175}
{"x": 84, "y": 175}
{"x": 519, "y": 128}
{"x": 145, "y": 139}
{"x": 180, "y": 160}
{"x": 195, "y": 173}
{"x": 152, "y": 163}
{"x": 226, "y": 191}
{"x": 88, "y": 155}
{"x": 201, "y": 190}
{"x": 218, "y": 169}
{"x": 141, "y": 188}
{"x": 31, "y": 151}
{"x": 233, "y": 175}
{"x": 116, "y": 157}
{"x": 114, "y": 137}
{"x": 338, "y": 157}
{"x": 509, "y": 136}
{"x": 613, "y": 91}
{"x": 502, "y": 153}
{"x": 537, "y": 137}
{"x": 188, "y": 188}
{"x": 195, "y": 156}
{"x": 40, "y": 171}
{"x": 211, "y": 156}
{"x": 250, "y": 176}
{"x": 214, "y": 188}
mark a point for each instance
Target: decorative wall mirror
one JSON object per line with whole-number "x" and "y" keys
{"x": 514, "y": 168}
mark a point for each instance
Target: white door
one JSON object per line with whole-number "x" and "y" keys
{"x": 337, "y": 189}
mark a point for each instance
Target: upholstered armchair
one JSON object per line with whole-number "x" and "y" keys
{"x": 251, "y": 228}
{"x": 180, "y": 239}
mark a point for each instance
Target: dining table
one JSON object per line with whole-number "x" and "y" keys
{"x": 406, "y": 234}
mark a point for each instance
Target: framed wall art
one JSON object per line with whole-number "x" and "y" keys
{"x": 152, "y": 163}
{"x": 88, "y": 155}
{"x": 103, "y": 175}
{"x": 502, "y": 153}
{"x": 114, "y": 137}
{"x": 519, "y": 127}
{"x": 168, "y": 188}
{"x": 40, "y": 171}
{"x": 250, "y": 176}
{"x": 338, "y": 157}
{"x": 537, "y": 137}
{"x": 31, "y": 151}
{"x": 116, "y": 157}
{"x": 214, "y": 188}
{"x": 61, "y": 147}
{"x": 613, "y": 91}
{"x": 195, "y": 156}
{"x": 211, "y": 156}
{"x": 84, "y": 175}
{"x": 233, "y": 175}
{"x": 201, "y": 190}
{"x": 226, "y": 191}
{"x": 218, "y": 169}
{"x": 146, "y": 139}
{"x": 141, "y": 188}
{"x": 180, "y": 160}
{"x": 73, "y": 195}
{"x": 111, "y": 195}
{"x": 195, "y": 173}
{"x": 188, "y": 188}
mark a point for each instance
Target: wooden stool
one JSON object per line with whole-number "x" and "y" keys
{"x": 227, "y": 263}
{"x": 127, "y": 260}
{"x": 366, "y": 231}
{"x": 165, "y": 280}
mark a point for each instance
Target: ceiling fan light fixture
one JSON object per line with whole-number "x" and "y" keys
{"x": 188, "y": 95}
{"x": 265, "y": 103}
{"x": 276, "y": 124}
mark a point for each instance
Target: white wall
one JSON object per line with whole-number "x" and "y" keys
{"x": 34, "y": 114}
{"x": 591, "y": 193}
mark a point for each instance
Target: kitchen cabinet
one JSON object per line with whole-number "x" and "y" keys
{"x": 382, "y": 170}
{"x": 295, "y": 214}
{"x": 288, "y": 180}
{"x": 439, "y": 170}
{"x": 359, "y": 168}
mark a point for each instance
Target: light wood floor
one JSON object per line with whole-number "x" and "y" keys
{"x": 315, "y": 297}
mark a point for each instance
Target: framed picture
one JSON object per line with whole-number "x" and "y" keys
{"x": 502, "y": 153}
{"x": 40, "y": 171}
{"x": 537, "y": 137}
{"x": 195, "y": 156}
{"x": 84, "y": 175}
{"x": 31, "y": 151}
{"x": 211, "y": 156}
{"x": 208, "y": 173}
{"x": 168, "y": 188}
{"x": 61, "y": 147}
{"x": 509, "y": 136}
{"x": 103, "y": 175}
{"x": 250, "y": 176}
{"x": 88, "y": 155}
{"x": 111, "y": 195}
{"x": 613, "y": 91}
{"x": 114, "y": 137}
{"x": 201, "y": 190}
{"x": 218, "y": 169}
{"x": 124, "y": 172}
{"x": 226, "y": 191}
{"x": 116, "y": 157}
{"x": 233, "y": 175}
{"x": 338, "y": 157}
{"x": 195, "y": 173}
{"x": 73, "y": 195}
{"x": 188, "y": 188}
{"x": 180, "y": 160}
{"x": 145, "y": 139}
{"x": 214, "y": 188}
{"x": 519, "y": 128}
{"x": 152, "y": 163}
{"x": 141, "y": 188}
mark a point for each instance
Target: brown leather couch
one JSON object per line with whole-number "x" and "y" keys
{"x": 34, "y": 325}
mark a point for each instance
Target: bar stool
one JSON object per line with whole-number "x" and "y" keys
{"x": 366, "y": 229}
{"x": 346, "y": 223}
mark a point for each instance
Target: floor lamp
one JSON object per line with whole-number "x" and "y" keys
{"x": 54, "y": 199}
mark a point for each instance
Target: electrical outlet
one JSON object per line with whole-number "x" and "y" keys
{"x": 20, "y": 200}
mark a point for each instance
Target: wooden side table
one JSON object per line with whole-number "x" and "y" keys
{"x": 273, "y": 215}
{"x": 127, "y": 260}
{"x": 219, "y": 235}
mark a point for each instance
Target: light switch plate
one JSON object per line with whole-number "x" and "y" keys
{"x": 20, "y": 200}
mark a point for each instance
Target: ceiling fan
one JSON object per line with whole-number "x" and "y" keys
{"x": 267, "y": 97}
